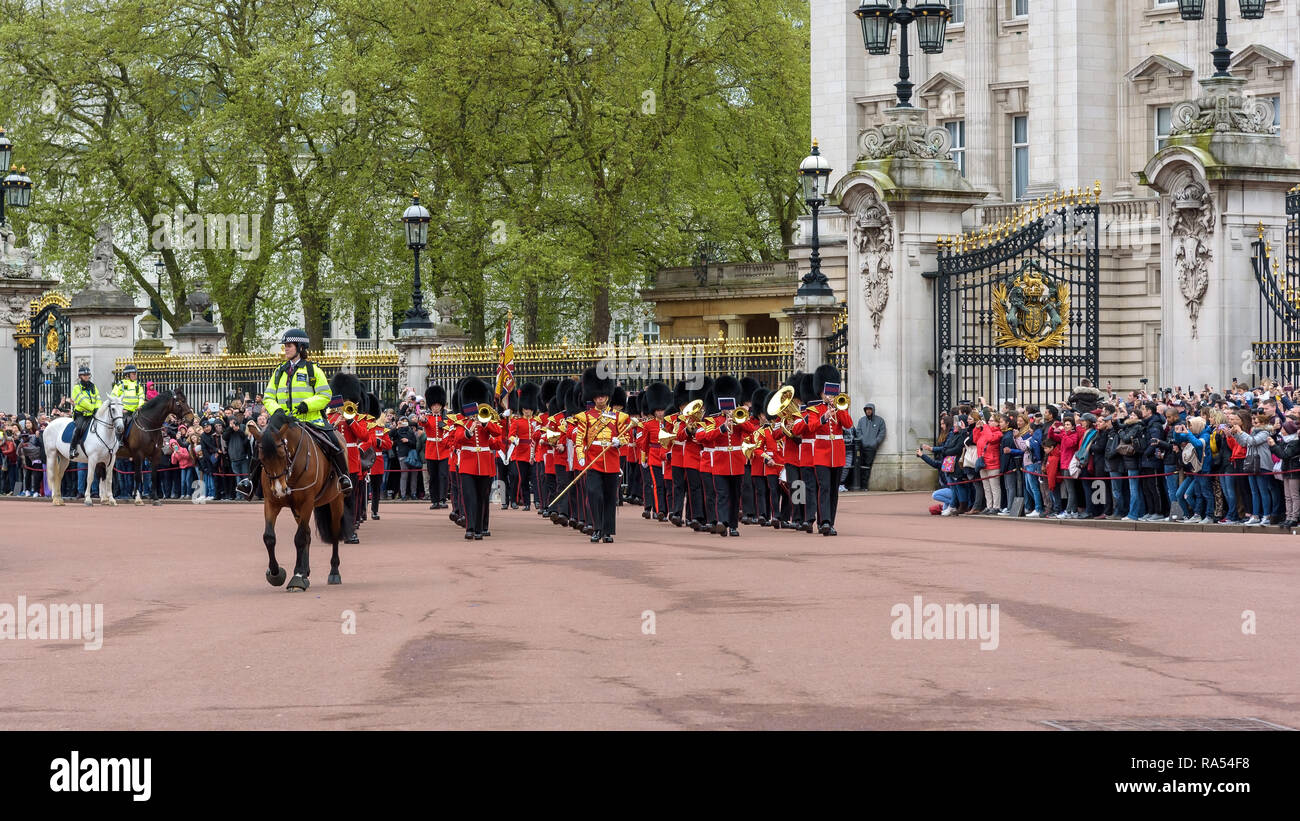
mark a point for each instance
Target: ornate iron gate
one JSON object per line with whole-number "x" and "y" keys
{"x": 44, "y": 369}
{"x": 1277, "y": 354}
{"x": 1016, "y": 306}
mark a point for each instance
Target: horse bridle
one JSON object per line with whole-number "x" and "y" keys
{"x": 95, "y": 420}
{"x": 289, "y": 460}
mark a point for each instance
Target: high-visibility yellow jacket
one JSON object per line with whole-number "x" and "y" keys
{"x": 290, "y": 385}
{"x": 85, "y": 398}
{"x": 132, "y": 393}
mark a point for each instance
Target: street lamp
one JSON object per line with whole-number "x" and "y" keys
{"x": 416, "y": 218}
{"x": 878, "y": 18}
{"x": 17, "y": 185}
{"x": 814, "y": 174}
{"x": 1195, "y": 10}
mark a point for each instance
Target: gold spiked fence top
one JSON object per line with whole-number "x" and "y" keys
{"x": 565, "y": 351}
{"x": 1031, "y": 211}
{"x": 24, "y": 328}
{"x": 233, "y": 361}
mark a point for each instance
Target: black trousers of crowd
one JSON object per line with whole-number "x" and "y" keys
{"x": 437, "y": 479}
{"x": 867, "y": 455}
{"x": 602, "y": 500}
{"x": 727, "y": 498}
{"x": 476, "y": 492}
{"x": 828, "y": 493}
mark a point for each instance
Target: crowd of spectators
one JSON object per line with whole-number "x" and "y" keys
{"x": 1229, "y": 456}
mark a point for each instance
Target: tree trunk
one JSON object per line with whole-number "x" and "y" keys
{"x": 311, "y": 301}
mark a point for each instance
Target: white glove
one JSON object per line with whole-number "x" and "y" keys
{"x": 616, "y": 442}
{"x": 581, "y": 461}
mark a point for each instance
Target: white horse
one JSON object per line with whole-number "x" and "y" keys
{"x": 98, "y": 448}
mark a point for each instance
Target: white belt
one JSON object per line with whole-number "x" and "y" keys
{"x": 354, "y": 444}
{"x": 730, "y": 448}
{"x": 477, "y": 449}
{"x": 823, "y": 437}
{"x": 601, "y": 442}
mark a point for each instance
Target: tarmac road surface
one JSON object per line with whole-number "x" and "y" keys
{"x": 535, "y": 627}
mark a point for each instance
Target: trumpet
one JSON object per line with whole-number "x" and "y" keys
{"x": 487, "y": 413}
{"x": 740, "y": 416}
{"x": 349, "y": 410}
{"x": 841, "y": 401}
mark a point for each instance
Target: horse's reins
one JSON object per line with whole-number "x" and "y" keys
{"x": 290, "y": 458}
{"x": 95, "y": 420}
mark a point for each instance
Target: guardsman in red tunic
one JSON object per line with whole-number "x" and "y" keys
{"x": 601, "y": 431}
{"x": 437, "y": 447}
{"x": 382, "y": 443}
{"x": 455, "y": 419}
{"x": 543, "y": 464}
{"x": 677, "y": 456}
{"x": 656, "y": 398}
{"x": 828, "y": 448}
{"x": 725, "y": 439}
{"x": 792, "y": 503}
{"x": 566, "y": 408}
{"x": 691, "y": 455}
{"x": 477, "y": 442}
{"x": 756, "y": 497}
{"x": 749, "y": 513}
{"x": 803, "y": 428}
{"x": 353, "y": 431}
{"x": 521, "y": 444}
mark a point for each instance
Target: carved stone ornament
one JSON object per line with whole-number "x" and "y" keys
{"x": 873, "y": 236}
{"x": 1191, "y": 227}
{"x": 81, "y": 331}
{"x": 113, "y": 331}
{"x": 102, "y": 262}
{"x": 905, "y": 134}
{"x": 1223, "y": 106}
{"x": 14, "y": 311}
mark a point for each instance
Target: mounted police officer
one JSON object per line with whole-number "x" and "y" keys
{"x": 85, "y": 401}
{"x": 299, "y": 389}
{"x": 131, "y": 391}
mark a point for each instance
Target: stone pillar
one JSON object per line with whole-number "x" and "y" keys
{"x": 1222, "y": 174}
{"x": 981, "y": 72}
{"x": 198, "y": 337}
{"x": 810, "y": 322}
{"x": 785, "y": 324}
{"x": 733, "y": 325}
{"x": 101, "y": 317}
{"x": 903, "y": 194}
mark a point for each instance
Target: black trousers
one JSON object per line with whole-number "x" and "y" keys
{"x": 602, "y": 499}
{"x": 678, "y": 503}
{"x": 695, "y": 490}
{"x": 828, "y": 493}
{"x": 727, "y": 497}
{"x": 358, "y": 499}
{"x": 775, "y": 498}
{"x": 457, "y": 497}
{"x": 539, "y": 482}
{"x": 563, "y": 504}
{"x": 656, "y": 491}
{"x": 522, "y": 494}
{"x": 475, "y": 494}
{"x": 437, "y": 479}
{"x": 709, "y": 481}
{"x": 811, "y": 493}
{"x": 549, "y": 489}
{"x": 756, "y": 497}
{"x": 747, "y": 501}
{"x": 376, "y": 490}
{"x": 867, "y": 457}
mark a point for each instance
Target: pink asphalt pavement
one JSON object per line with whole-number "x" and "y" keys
{"x": 535, "y": 627}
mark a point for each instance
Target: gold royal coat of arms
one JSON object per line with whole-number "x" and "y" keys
{"x": 1028, "y": 314}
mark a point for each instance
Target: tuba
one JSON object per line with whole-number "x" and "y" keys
{"x": 783, "y": 405}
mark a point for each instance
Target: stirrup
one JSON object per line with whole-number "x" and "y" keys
{"x": 345, "y": 483}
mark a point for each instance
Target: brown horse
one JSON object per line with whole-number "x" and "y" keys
{"x": 145, "y": 438}
{"x": 297, "y": 474}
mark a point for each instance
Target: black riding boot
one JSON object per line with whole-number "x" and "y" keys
{"x": 340, "y": 460}
{"x": 79, "y": 426}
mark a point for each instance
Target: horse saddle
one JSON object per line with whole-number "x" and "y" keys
{"x": 68, "y": 431}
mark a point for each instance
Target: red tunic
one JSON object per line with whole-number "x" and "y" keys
{"x": 593, "y": 431}
{"x": 828, "y": 443}
{"x": 476, "y": 451}
{"x": 773, "y": 444}
{"x": 690, "y": 449}
{"x": 355, "y": 436}
{"x": 380, "y": 442}
{"x": 653, "y": 451}
{"x": 521, "y": 431}
{"x": 437, "y": 437}
{"x": 803, "y": 428}
{"x": 728, "y": 457}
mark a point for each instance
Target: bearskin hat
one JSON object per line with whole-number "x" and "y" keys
{"x": 373, "y": 408}
{"x": 475, "y": 391}
{"x": 760, "y": 398}
{"x": 680, "y": 395}
{"x": 594, "y": 385}
{"x": 549, "y": 387}
{"x": 435, "y": 395}
{"x": 572, "y": 399}
{"x": 348, "y": 387}
{"x": 512, "y": 401}
{"x": 806, "y": 389}
{"x": 748, "y": 385}
{"x": 824, "y": 374}
{"x": 530, "y": 397}
{"x": 727, "y": 386}
{"x": 618, "y": 399}
{"x": 656, "y": 396}
{"x": 633, "y": 405}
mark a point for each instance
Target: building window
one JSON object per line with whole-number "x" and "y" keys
{"x": 957, "y": 130}
{"x": 1020, "y": 8}
{"x": 1163, "y": 122}
{"x": 1277, "y": 111}
{"x": 958, "y": 12}
{"x": 1020, "y": 156}
{"x": 650, "y": 330}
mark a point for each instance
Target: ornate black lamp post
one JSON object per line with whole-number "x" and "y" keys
{"x": 416, "y": 217}
{"x": 17, "y": 185}
{"x": 1195, "y": 10}
{"x": 878, "y": 18}
{"x": 814, "y": 174}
